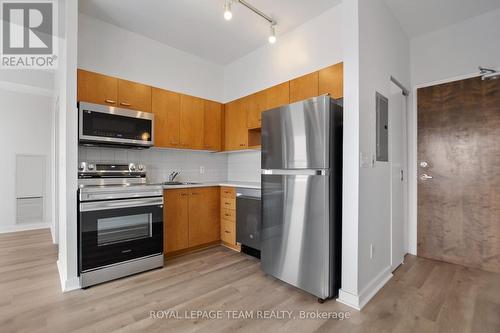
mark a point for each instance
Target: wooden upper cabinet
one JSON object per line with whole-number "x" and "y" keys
{"x": 255, "y": 105}
{"x": 331, "y": 81}
{"x": 212, "y": 126}
{"x": 277, "y": 96}
{"x": 304, "y": 87}
{"x": 176, "y": 220}
{"x": 166, "y": 107}
{"x": 132, "y": 95}
{"x": 236, "y": 131}
{"x": 204, "y": 215}
{"x": 97, "y": 88}
{"x": 191, "y": 123}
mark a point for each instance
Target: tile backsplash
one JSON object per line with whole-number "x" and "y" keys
{"x": 240, "y": 166}
{"x": 161, "y": 162}
{"x": 244, "y": 166}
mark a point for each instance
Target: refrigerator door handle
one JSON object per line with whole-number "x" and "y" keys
{"x": 305, "y": 172}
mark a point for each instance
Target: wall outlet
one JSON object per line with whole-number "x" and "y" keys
{"x": 372, "y": 251}
{"x": 202, "y": 170}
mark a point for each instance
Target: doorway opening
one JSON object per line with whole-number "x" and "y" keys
{"x": 397, "y": 102}
{"x": 458, "y": 184}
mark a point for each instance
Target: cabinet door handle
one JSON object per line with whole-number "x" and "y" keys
{"x": 227, "y": 232}
{"x": 194, "y": 193}
{"x": 242, "y": 145}
{"x": 228, "y": 215}
{"x": 183, "y": 194}
{"x": 110, "y": 101}
{"x": 227, "y": 204}
{"x": 125, "y": 104}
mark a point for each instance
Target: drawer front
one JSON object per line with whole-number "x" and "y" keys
{"x": 228, "y": 192}
{"x": 228, "y": 231}
{"x": 228, "y": 203}
{"x": 228, "y": 214}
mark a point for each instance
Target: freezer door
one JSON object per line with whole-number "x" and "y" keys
{"x": 295, "y": 238}
{"x": 296, "y": 136}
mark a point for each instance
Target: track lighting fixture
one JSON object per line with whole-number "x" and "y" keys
{"x": 229, "y": 15}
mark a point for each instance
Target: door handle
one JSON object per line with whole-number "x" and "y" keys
{"x": 125, "y": 104}
{"x": 110, "y": 101}
{"x": 425, "y": 177}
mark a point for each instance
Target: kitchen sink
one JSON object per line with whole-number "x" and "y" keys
{"x": 180, "y": 183}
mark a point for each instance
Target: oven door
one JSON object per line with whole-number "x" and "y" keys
{"x": 115, "y": 231}
{"x": 106, "y": 125}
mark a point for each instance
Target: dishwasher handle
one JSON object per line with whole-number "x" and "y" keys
{"x": 247, "y": 197}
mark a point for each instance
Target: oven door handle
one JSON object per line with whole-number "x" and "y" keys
{"x": 117, "y": 204}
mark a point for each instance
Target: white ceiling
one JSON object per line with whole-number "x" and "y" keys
{"x": 418, "y": 17}
{"x": 198, "y": 26}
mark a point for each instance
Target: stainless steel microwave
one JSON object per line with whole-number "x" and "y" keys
{"x": 111, "y": 126}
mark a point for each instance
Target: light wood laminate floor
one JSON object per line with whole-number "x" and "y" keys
{"x": 423, "y": 296}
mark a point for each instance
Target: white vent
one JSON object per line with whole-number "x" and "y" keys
{"x": 30, "y": 188}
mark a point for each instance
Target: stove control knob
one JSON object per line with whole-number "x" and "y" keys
{"x": 140, "y": 167}
{"x": 132, "y": 167}
{"x": 81, "y": 167}
{"x": 90, "y": 166}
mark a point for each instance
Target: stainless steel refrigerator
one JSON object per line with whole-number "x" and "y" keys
{"x": 302, "y": 194}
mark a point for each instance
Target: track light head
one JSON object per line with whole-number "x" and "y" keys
{"x": 228, "y": 15}
{"x": 272, "y": 34}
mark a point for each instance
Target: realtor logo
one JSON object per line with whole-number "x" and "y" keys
{"x": 28, "y": 34}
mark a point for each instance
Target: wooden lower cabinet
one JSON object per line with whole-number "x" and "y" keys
{"x": 228, "y": 232}
{"x": 191, "y": 218}
{"x": 175, "y": 220}
{"x": 204, "y": 219}
{"x": 228, "y": 217}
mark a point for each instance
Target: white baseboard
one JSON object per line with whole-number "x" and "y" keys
{"x": 359, "y": 301}
{"x": 67, "y": 285}
{"x": 24, "y": 227}
{"x": 374, "y": 286}
{"x": 349, "y": 299}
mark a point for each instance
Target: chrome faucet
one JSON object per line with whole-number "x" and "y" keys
{"x": 172, "y": 176}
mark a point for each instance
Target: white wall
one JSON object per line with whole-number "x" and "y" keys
{"x": 108, "y": 49}
{"x": 313, "y": 45}
{"x": 67, "y": 144}
{"x": 452, "y": 53}
{"x": 34, "y": 81}
{"x": 26, "y": 101}
{"x": 25, "y": 129}
{"x": 350, "y": 182}
{"x": 456, "y": 50}
{"x": 383, "y": 52}
{"x": 309, "y": 47}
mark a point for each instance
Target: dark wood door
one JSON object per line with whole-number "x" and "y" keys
{"x": 459, "y": 140}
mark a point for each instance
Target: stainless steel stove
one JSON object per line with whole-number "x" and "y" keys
{"x": 120, "y": 224}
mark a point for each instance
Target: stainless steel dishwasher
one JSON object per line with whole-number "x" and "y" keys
{"x": 248, "y": 220}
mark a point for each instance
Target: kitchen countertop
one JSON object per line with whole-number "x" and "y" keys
{"x": 227, "y": 183}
